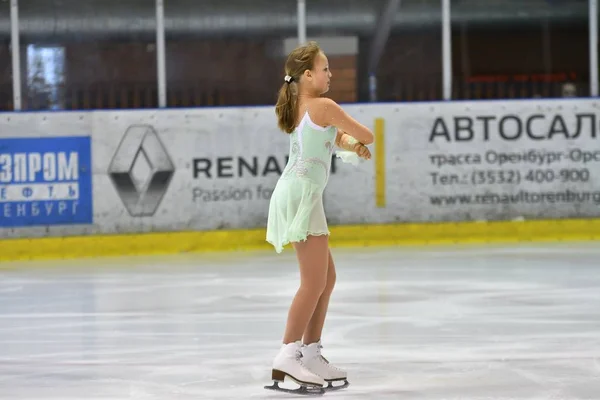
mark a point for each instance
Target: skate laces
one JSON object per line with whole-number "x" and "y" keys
{"x": 323, "y": 359}
{"x": 299, "y": 357}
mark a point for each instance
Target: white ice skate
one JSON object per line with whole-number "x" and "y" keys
{"x": 314, "y": 361}
{"x": 288, "y": 364}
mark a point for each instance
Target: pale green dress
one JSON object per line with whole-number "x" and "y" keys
{"x": 296, "y": 206}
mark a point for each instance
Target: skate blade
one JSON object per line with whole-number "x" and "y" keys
{"x": 331, "y": 387}
{"x": 302, "y": 390}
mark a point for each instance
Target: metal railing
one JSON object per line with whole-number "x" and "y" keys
{"x": 111, "y": 95}
{"x": 163, "y": 93}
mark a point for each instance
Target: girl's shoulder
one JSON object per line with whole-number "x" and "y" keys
{"x": 319, "y": 110}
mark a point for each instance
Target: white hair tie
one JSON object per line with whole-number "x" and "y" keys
{"x": 288, "y": 79}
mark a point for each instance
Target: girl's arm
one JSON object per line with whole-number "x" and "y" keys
{"x": 347, "y": 142}
{"x": 331, "y": 114}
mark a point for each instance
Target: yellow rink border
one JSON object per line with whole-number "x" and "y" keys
{"x": 342, "y": 236}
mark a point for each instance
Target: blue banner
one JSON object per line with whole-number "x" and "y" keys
{"x": 45, "y": 181}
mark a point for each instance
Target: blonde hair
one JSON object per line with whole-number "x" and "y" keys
{"x": 299, "y": 60}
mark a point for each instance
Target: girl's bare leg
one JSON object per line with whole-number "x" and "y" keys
{"x": 313, "y": 331}
{"x": 313, "y": 258}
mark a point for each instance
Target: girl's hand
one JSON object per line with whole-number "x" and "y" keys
{"x": 362, "y": 151}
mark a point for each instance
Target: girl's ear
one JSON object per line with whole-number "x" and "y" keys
{"x": 307, "y": 74}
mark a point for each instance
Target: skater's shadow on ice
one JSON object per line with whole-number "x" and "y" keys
{"x": 349, "y": 393}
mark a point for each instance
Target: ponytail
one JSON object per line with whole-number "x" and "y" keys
{"x": 287, "y": 106}
{"x": 299, "y": 60}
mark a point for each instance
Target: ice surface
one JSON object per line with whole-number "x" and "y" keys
{"x": 472, "y": 323}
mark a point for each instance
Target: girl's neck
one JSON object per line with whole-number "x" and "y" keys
{"x": 307, "y": 95}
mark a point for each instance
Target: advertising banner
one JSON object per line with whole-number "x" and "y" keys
{"x": 45, "y": 181}
{"x": 494, "y": 161}
{"x": 215, "y": 168}
{"x": 198, "y": 170}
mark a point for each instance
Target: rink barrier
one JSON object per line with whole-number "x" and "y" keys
{"x": 355, "y": 236}
{"x": 70, "y": 184}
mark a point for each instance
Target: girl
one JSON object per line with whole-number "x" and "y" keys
{"x": 296, "y": 213}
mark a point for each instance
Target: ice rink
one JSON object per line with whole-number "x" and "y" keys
{"x": 511, "y": 322}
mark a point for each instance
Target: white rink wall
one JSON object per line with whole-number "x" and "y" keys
{"x": 104, "y": 172}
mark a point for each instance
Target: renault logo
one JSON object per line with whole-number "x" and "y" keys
{"x": 142, "y": 149}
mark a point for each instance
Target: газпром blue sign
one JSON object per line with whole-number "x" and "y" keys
{"x": 45, "y": 181}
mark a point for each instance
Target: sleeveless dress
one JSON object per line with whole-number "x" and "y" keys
{"x": 296, "y": 206}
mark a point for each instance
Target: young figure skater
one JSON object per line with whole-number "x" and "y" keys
{"x": 296, "y": 213}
